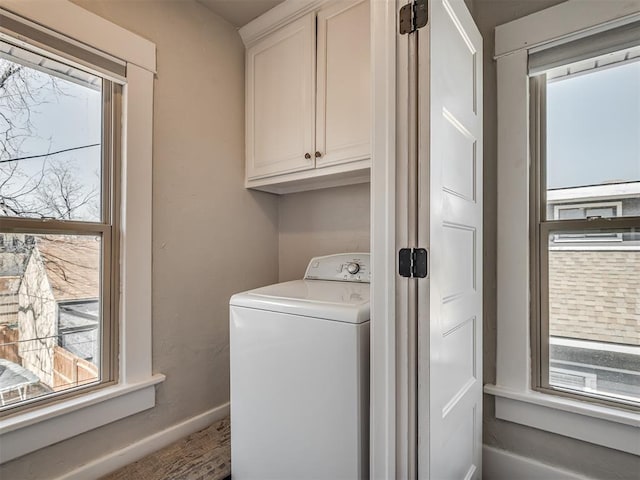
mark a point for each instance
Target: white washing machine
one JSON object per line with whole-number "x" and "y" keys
{"x": 300, "y": 375}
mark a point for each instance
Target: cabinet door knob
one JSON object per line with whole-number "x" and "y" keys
{"x": 307, "y": 156}
{"x": 318, "y": 154}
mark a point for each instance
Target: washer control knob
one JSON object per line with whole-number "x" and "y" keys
{"x": 353, "y": 268}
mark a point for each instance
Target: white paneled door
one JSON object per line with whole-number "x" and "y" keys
{"x": 449, "y": 378}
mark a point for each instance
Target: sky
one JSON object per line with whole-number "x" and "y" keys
{"x": 593, "y": 128}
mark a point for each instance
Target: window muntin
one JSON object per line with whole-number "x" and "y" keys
{"x": 585, "y": 224}
{"x": 58, "y": 228}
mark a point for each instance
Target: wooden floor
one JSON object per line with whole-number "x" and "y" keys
{"x": 203, "y": 455}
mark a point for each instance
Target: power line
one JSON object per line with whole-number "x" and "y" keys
{"x": 49, "y": 154}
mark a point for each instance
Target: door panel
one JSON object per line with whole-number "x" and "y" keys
{"x": 344, "y": 85}
{"x": 450, "y": 225}
{"x": 281, "y": 101}
{"x": 458, "y": 451}
{"x": 458, "y": 355}
{"x": 459, "y": 172}
{"x": 459, "y": 276}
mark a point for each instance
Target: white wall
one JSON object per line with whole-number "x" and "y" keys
{"x": 587, "y": 459}
{"x": 320, "y": 222}
{"x": 211, "y": 237}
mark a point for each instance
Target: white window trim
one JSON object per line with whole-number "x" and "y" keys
{"x": 135, "y": 391}
{"x": 515, "y": 400}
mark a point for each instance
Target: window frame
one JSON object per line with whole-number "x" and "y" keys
{"x": 541, "y": 228}
{"x": 515, "y": 400}
{"x": 107, "y": 228}
{"x": 135, "y": 388}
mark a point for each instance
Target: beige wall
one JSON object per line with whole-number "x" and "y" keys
{"x": 591, "y": 460}
{"x": 320, "y": 222}
{"x": 211, "y": 237}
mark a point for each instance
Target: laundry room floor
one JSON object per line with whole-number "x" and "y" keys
{"x": 202, "y": 455}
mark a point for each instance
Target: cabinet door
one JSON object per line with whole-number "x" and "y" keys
{"x": 280, "y": 95}
{"x": 344, "y": 76}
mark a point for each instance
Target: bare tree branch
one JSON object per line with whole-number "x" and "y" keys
{"x": 53, "y": 190}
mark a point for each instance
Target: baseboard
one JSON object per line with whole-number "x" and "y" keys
{"x": 500, "y": 464}
{"x": 129, "y": 454}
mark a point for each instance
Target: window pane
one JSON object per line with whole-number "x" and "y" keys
{"x": 594, "y": 315}
{"x": 50, "y": 138}
{"x": 604, "y": 212}
{"x": 569, "y": 213}
{"x": 593, "y": 142}
{"x": 49, "y": 314}
{"x": 593, "y": 209}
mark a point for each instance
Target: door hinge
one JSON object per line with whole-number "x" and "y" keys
{"x": 413, "y": 15}
{"x": 412, "y": 262}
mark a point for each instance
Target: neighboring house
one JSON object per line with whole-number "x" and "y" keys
{"x": 608, "y": 200}
{"x": 14, "y": 252}
{"x": 58, "y": 317}
{"x": 594, "y": 292}
{"x": 9, "y": 318}
{"x": 9, "y": 285}
{"x": 594, "y": 295}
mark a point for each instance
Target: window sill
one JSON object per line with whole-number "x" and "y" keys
{"x": 30, "y": 431}
{"x": 597, "y": 424}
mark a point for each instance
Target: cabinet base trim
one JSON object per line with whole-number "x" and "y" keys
{"x": 336, "y": 176}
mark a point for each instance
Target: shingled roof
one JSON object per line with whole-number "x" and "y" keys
{"x": 72, "y": 264}
{"x": 595, "y": 295}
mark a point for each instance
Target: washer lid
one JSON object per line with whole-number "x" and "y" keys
{"x": 329, "y": 300}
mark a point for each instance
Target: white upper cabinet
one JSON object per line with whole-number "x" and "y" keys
{"x": 343, "y": 101}
{"x": 281, "y": 74}
{"x": 308, "y": 97}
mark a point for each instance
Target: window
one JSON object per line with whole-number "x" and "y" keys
{"x": 586, "y": 210}
{"x": 59, "y": 206}
{"x": 66, "y": 33}
{"x": 585, "y": 308}
{"x": 522, "y": 46}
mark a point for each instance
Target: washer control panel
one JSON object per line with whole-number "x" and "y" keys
{"x": 341, "y": 267}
